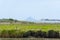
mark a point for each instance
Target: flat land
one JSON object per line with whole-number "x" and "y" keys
{"x": 35, "y": 27}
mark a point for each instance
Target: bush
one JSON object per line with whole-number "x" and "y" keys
{"x": 53, "y": 34}
{"x": 29, "y": 34}
{"x": 40, "y": 34}
{"x": 10, "y": 33}
{"x": 4, "y": 33}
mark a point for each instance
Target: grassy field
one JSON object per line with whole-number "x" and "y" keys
{"x": 26, "y": 27}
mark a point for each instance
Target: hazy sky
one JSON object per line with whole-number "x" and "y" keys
{"x": 38, "y": 9}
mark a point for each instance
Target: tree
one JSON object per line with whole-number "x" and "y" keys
{"x": 11, "y": 20}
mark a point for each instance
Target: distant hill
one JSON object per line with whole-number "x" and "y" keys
{"x": 31, "y": 19}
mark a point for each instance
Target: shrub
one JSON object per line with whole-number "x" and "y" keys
{"x": 4, "y": 33}
{"x": 29, "y": 34}
{"x": 20, "y": 34}
{"x": 8, "y": 33}
{"x": 53, "y": 34}
{"x": 40, "y": 34}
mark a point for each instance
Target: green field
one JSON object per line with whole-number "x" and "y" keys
{"x": 26, "y": 27}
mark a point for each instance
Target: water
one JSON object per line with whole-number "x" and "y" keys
{"x": 27, "y": 39}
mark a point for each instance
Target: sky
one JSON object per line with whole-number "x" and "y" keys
{"x": 22, "y": 9}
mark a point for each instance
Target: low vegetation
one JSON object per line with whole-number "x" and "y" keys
{"x": 22, "y": 29}
{"x": 29, "y": 34}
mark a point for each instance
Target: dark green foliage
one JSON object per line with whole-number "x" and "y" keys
{"x": 40, "y": 34}
{"x": 53, "y": 34}
{"x": 28, "y": 34}
{"x": 10, "y": 33}
{"x": 11, "y": 19}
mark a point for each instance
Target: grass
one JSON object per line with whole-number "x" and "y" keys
{"x": 26, "y": 27}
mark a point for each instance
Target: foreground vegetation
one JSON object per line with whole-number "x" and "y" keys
{"x": 26, "y": 30}
{"x": 29, "y": 34}
{"x": 18, "y": 29}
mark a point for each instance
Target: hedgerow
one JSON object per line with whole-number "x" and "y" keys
{"x": 28, "y": 34}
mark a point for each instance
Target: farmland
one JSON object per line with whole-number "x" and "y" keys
{"x": 26, "y": 27}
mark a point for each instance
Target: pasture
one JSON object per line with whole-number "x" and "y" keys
{"x": 31, "y": 26}
{"x": 22, "y": 30}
